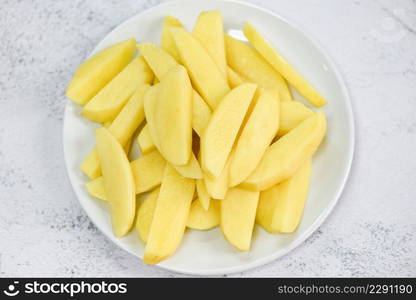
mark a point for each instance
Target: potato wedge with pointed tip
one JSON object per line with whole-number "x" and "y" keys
{"x": 247, "y": 62}
{"x": 167, "y": 42}
{"x": 238, "y": 213}
{"x": 222, "y": 129}
{"x": 255, "y": 138}
{"x": 281, "y": 65}
{"x": 145, "y": 215}
{"x": 281, "y": 207}
{"x": 233, "y": 78}
{"x": 191, "y": 169}
{"x": 292, "y": 113}
{"x": 217, "y": 186}
{"x": 170, "y": 216}
{"x": 209, "y": 31}
{"x": 110, "y": 100}
{"x": 203, "y": 71}
{"x": 93, "y": 74}
{"x": 203, "y": 195}
{"x": 118, "y": 181}
{"x": 173, "y": 116}
{"x": 285, "y": 156}
{"x": 96, "y": 188}
{"x": 202, "y": 219}
{"x": 144, "y": 141}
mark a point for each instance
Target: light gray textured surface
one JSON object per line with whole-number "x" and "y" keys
{"x": 43, "y": 230}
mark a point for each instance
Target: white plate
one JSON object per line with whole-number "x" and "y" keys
{"x": 208, "y": 253}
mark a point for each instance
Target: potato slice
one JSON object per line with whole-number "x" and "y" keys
{"x": 222, "y": 129}
{"x": 118, "y": 181}
{"x": 110, "y": 100}
{"x": 283, "y": 66}
{"x": 285, "y": 156}
{"x": 203, "y": 71}
{"x": 145, "y": 215}
{"x": 247, "y": 62}
{"x": 122, "y": 128}
{"x": 150, "y": 101}
{"x": 170, "y": 216}
{"x": 238, "y": 213}
{"x": 173, "y": 116}
{"x": 217, "y": 186}
{"x": 209, "y": 31}
{"x": 147, "y": 173}
{"x": 144, "y": 141}
{"x": 233, "y": 78}
{"x": 167, "y": 42}
{"x": 161, "y": 62}
{"x": 203, "y": 195}
{"x": 256, "y": 136}
{"x": 202, "y": 219}
{"x": 292, "y": 113}
{"x": 191, "y": 169}
{"x": 93, "y": 74}
{"x": 281, "y": 207}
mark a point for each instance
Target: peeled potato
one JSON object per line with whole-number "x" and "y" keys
{"x": 292, "y": 113}
{"x": 233, "y": 78}
{"x": 145, "y": 214}
{"x": 285, "y": 156}
{"x": 191, "y": 169}
{"x": 203, "y": 195}
{"x": 110, "y": 100}
{"x": 96, "y": 188}
{"x": 118, "y": 181}
{"x": 167, "y": 41}
{"x": 144, "y": 141}
{"x": 202, "y": 219}
{"x": 93, "y": 74}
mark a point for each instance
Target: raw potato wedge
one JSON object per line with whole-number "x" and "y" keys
{"x": 147, "y": 173}
{"x": 202, "y": 193}
{"x": 122, "y": 128}
{"x": 191, "y": 169}
{"x": 145, "y": 215}
{"x": 110, "y": 100}
{"x": 209, "y": 31}
{"x": 223, "y": 127}
{"x": 144, "y": 141}
{"x": 167, "y": 42}
{"x": 292, "y": 113}
{"x": 118, "y": 181}
{"x": 256, "y": 136}
{"x": 233, "y": 78}
{"x": 285, "y": 156}
{"x": 170, "y": 216}
{"x": 281, "y": 207}
{"x": 203, "y": 71}
{"x": 217, "y": 186}
{"x": 161, "y": 62}
{"x": 238, "y": 213}
{"x": 96, "y": 188}
{"x": 150, "y": 101}
{"x": 93, "y": 74}
{"x": 202, "y": 219}
{"x": 283, "y": 66}
{"x": 173, "y": 116}
{"x": 247, "y": 62}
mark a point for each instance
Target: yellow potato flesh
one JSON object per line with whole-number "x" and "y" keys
{"x": 118, "y": 181}
{"x": 283, "y": 66}
{"x": 161, "y": 62}
{"x": 292, "y": 113}
{"x": 238, "y": 213}
{"x": 122, "y": 128}
{"x": 170, "y": 216}
{"x": 144, "y": 140}
{"x": 110, "y": 100}
{"x": 222, "y": 129}
{"x": 285, "y": 156}
{"x": 247, "y": 62}
{"x": 93, "y": 74}
{"x": 217, "y": 186}
{"x": 203, "y": 195}
{"x": 233, "y": 78}
{"x": 173, "y": 116}
{"x": 209, "y": 31}
{"x": 255, "y": 138}
{"x": 145, "y": 215}
{"x": 203, "y": 71}
{"x": 201, "y": 219}
{"x": 147, "y": 173}
{"x": 191, "y": 169}
{"x": 167, "y": 42}
{"x": 281, "y": 207}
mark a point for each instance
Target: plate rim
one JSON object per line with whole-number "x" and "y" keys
{"x": 322, "y": 217}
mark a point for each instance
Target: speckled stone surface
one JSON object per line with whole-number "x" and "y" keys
{"x": 43, "y": 230}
